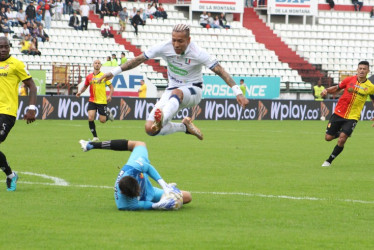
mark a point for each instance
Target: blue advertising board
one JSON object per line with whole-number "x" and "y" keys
{"x": 257, "y": 87}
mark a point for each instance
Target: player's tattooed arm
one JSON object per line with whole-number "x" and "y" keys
{"x": 219, "y": 70}
{"x": 134, "y": 62}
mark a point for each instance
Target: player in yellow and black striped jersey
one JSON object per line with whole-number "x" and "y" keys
{"x": 12, "y": 71}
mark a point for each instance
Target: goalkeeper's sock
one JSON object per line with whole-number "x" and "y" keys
{"x": 337, "y": 150}
{"x": 118, "y": 145}
{"x": 91, "y": 125}
{"x": 4, "y": 164}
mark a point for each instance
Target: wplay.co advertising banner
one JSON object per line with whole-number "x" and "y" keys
{"x": 74, "y": 108}
{"x": 256, "y": 87}
{"x": 293, "y": 7}
{"x": 231, "y": 6}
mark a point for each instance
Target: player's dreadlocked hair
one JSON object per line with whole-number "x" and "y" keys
{"x": 129, "y": 186}
{"x": 182, "y": 28}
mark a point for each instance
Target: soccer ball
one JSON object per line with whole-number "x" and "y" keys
{"x": 176, "y": 197}
{"x": 323, "y": 118}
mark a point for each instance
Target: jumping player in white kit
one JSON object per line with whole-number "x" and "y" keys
{"x": 185, "y": 60}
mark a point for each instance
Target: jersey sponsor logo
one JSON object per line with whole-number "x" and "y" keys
{"x": 177, "y": 70}
{"x": 3, "y": 74}
{"x": 5, "y": 67}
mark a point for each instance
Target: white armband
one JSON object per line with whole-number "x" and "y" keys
{"x": 32, "y": 107}
{"x": 116, "y": 70}
{"x": 236, "y": 89}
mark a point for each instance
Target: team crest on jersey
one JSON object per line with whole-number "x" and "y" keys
{"x": 329, "y": 125}
{"x": 350, "y": 90}
{"x": 141, "y": 176}
{"x": 187, "y": 61}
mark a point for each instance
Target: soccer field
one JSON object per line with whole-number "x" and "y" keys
{"x": 254, "y": 184}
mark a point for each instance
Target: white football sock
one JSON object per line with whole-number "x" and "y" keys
{"x": 171, "y": 128}
{"x": 11, "y": 175}
{"x": 170, "y": 109}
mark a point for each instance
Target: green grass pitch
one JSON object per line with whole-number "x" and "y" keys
{"x": 255, "y": 185}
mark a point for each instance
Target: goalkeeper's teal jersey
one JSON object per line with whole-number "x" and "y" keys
{"x": 139, "y": 167}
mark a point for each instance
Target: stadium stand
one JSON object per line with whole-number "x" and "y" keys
{"x": 242, "y": 51}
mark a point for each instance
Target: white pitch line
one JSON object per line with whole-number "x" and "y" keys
{"x": 216, "y": 193}
{"x": 57, "y": 181}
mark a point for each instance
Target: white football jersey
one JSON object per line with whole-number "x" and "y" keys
{"x": 185, "y": 69}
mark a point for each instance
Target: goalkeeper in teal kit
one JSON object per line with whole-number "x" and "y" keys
{"x": 132, "y": 189}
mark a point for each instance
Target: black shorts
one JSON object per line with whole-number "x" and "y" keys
{"x": 6, "y": 124}
{"x": 101, "y": 108}
{"x": 338, "y": 123}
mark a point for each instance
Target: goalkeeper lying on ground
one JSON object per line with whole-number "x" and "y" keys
{"x": 132, "y": 189}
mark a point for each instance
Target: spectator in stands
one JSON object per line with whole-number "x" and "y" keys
{"x": 108, "y": 62}
{"x": 261, "y": 2}
{"x": 117, "y": 7}
{"x": 39, "y": 17}
{"x": 12, "y": 19}
{"x": 123, "y": 16}
{"x": 68, "y": 7}
{"x": 75, "y": 6}
{"x": 114, "y": 60}
{"x": 25, "y": 45}
{"x": 84, "y": 12}
{"x": 33, "y": 50}
{"x": 161, "y": 12}
{"x": 123, "y": 58}
{"x": 74, "y": 22}
{"x": 12, "y": 6}
{"x": 59, "y": 9}
{"x": 21, "y": 17}
{"x": 24, "y": 31}
{"x": 30, "y": 11}
{"x": 250, "y": 4}
{"x": 111, "y": 7}
{"x": 47, "y": 15}
{"x": 132, "y": 13}
{"x": 92, "y": 5}
{"x": 104, "y": 10}
{"x": 4, "y": 17}
{"x": 19, "y": 5}
{"x": 372, "y": 13}
{"x": 204, "y": 19}
{"x": 143, "y": 89}
{"x": 142, "y": 15}
{"x": 149, "y": 12}
{"x": 212, "y": 23}
{"x": 317, "y": 90}
{"x": 358, "y": 5}
{"x": 331, "y": 3}
{"x": 136, "y": 21}
{"x": 33, "y": 29}
{"x": 4, "y": 28}
{"x": 98, "y": 6}
{"x": 40, "y": 6}
{"x": 105, "y": 30}
{"x": 4, "y": 4}
{"x": 41, "y": 34}
{"x": 223, "y": 22}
